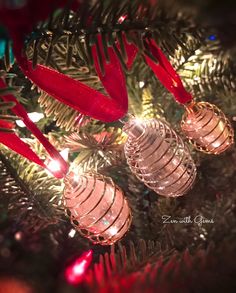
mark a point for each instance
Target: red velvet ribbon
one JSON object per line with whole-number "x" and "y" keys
{"x": 163, "y": 69}
{"x": 74, "y": 93}
{"x": 6, "y": 124}
{"x": 167, "y": 75}
{"x": 12, "y": 141}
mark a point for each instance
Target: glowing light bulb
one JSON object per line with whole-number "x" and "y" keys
{"x": 54, "y": 165}
{"x": 34, "y": 116}
{"x": 138, "y": 121}
{"x": 135, "y": 127}
{"x": 122, "y": 18}
{"x": 74, "y": 273}
{"x": 72, "y": 232}
{"x": 141, "y": 84}
{"x": 18, "y": 236}
{"x": 65, "y": 153}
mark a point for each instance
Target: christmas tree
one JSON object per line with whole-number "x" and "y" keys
{"x": 89, "y": 123}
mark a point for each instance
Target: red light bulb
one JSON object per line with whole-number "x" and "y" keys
{"x": 74, "y": 274}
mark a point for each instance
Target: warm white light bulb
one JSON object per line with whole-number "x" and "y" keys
{"x": 54, "y": 165}
{"x": 141, "y": 84}
{"x": 64, "y": 153}
{"x": 72, "y": 233}
{"x": 34, "y": 117}
{"x": 78, "y": 269}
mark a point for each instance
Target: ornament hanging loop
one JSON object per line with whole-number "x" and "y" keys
{"x": 165, "y": 72}
{"x": 12, "y": 141}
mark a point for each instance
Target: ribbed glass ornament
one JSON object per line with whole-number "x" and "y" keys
{"x": 207, "y": 128}
{"x": 159, "y": 157}
{"x": 97, "y": 207}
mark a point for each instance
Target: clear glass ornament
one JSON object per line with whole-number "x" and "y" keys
{"x": 97, "y": 207}
{"x": 159, "y": 157}
{"x": 207, "y": 128}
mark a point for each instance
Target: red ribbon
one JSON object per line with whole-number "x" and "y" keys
{"x": 167, "y": 75}
{"x": 163, "y": 69}
{"x": 12, "y": 141}
{"x": 6, "y": 124}
{"x": 74, "y": 93}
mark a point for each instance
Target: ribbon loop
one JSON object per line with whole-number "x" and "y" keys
{"x": 12, "y": 141}
{"x": 74, "y": 93}
{"x": 165, "y": 72}
{"x": 163, "y": 69}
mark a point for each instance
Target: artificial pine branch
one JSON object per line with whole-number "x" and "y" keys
{"x": 14, "y": 174}
{"x": 125, "y": 260}
{"x": 200, "y": 271}
{"x": 97, "y": 151}
{"x": 19, "y": 199}
{"x": 207, "y": 70}
{"x": 10, "y": 188}
{"x": 149, "y": 109}
{"x": 142, "y": 20}
{"x": 43, "y": 191}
